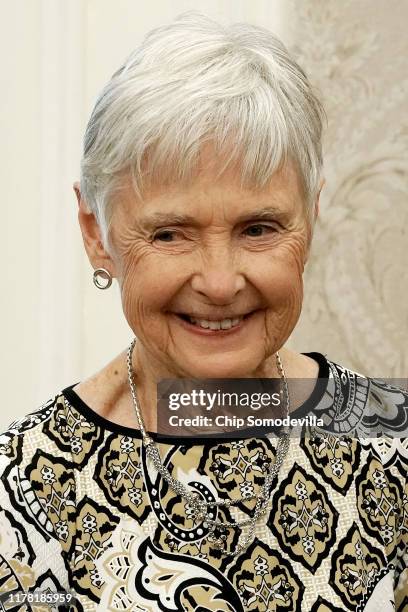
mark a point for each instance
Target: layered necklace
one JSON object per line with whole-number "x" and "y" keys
{"x": 200, "y": 508}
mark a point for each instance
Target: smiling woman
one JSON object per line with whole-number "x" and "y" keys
{"x": 229, "y": 271}
{"x": 199, "y": 191}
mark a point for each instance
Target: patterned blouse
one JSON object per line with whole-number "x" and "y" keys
{"x": 83, "y": 511}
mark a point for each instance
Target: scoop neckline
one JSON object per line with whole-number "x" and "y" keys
{"x": 93, "y": 417}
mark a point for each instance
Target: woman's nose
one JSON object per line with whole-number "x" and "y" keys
{"x": 220, "y": 278}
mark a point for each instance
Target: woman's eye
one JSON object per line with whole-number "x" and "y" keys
{"x": 259, "y": 230}
{"x": 254, "y": 231}
{"x": 164, "y": 236}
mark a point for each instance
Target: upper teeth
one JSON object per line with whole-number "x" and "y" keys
{"x": 223, "y": 324}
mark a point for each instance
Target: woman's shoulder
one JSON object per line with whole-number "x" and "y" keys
{"x": 32, "y": 434}
{"x": 381, "y": 403}
{"x": 56, "y": 422}
{"x": 34, "y": 418}
{"x": 373, "y": 411}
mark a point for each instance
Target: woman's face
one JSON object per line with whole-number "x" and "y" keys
{"x": 211, "y": 274}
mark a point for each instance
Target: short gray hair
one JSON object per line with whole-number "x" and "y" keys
{"x": 195, "y": 81}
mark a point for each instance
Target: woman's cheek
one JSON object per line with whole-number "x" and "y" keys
{"x": 147, "y": 292}
{"x": 132, "y": 304}
{"x": 292, "y": 249}
{"x": 283, "y": 313}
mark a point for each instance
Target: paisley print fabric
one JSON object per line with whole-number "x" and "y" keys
{"x": 82, "y": 509}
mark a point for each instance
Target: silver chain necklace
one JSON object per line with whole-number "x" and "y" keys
{"x": 200, "y": 507}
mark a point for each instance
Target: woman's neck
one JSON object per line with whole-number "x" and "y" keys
{"x": 108, "y": 391}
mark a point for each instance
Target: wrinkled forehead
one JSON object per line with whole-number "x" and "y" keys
{"x": 215, "y": 183}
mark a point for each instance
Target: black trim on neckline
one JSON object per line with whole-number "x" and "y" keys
{"x": 93, "y": 417}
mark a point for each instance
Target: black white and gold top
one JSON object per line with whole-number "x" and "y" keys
{"x": 82, "y": 510}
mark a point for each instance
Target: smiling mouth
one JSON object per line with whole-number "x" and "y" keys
{"x": 221, "y": 324}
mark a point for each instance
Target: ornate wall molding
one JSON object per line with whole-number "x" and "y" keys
{"x": 356, "y": 282}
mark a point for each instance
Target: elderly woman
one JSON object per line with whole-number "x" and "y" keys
{"x": 199, "y": 191}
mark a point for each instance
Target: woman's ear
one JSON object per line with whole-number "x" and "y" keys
{"x": 316, "y": 209}
{"x": 315, "y": 215}
{"x": 91, "y": 235}
{"x": 317, "y": 203}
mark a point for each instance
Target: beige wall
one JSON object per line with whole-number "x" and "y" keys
{"x": 55, "y": 326}
{"x": 356, "y": 285}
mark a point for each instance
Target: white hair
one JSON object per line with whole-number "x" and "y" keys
{"x": 192, "y": 82}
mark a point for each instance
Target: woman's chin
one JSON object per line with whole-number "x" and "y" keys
{"x": 222, "y": 368}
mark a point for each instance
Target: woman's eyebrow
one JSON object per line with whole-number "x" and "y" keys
{"x": 161, "y": 218}
{"x": 267, "y": 212}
